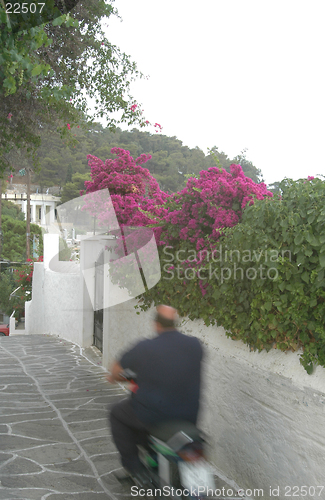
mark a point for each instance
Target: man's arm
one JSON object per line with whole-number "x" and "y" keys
{"x": 128, "y": 360}
{"x": 115, "y": 376}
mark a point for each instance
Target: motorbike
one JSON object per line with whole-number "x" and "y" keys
{"x": 174, "y": 460}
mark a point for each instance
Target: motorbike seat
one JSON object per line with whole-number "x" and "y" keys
{"x": 166, "y": 430}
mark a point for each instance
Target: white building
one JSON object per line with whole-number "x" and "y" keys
{"x": 41, "y": 206}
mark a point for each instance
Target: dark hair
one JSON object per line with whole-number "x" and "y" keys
{"x": 164, "y": 322}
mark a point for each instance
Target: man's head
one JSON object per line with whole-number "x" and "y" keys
{"x": 165, "y": 318}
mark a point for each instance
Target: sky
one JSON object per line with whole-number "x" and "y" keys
{"x": 236, "y": 74}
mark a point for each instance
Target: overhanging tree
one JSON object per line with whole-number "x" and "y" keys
{"x": 47, "y": 73}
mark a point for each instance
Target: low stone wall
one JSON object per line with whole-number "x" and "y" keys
{"x": 263, "y": 413}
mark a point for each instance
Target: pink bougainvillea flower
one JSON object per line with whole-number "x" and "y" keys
{"x": 9, "y": 116}
{"x": 133, "y": 189}
{"x": 68, "y": 125}
{"x": 197, "y": 214}
{"x": 133, "y": 107}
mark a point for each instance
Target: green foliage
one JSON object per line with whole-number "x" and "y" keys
{"x": 275, "y": 187}
{"x": 46, "y": 78}
{"x": 171, "y": 163}
{"x": 23, "y": 278}
{"x": 265, "y": 282}
{"x": 20, "y": 61}
{"x": 7, "y": 286}
{"x": 9, "y": 209}
{"x": 14, "y": 239}
{"x": 72, "y": 189}
{"x": 222, "y": 160}
{"x": 16, "y": 288}
{"x": 248, "y": 167}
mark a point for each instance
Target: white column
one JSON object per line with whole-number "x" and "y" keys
{"x": 43, "y": 220}
{"x": 52, "y": 213}
{"x": 33, "y": 207}
{"x": 48, "y": 214}
{"x": 24, "y": 208}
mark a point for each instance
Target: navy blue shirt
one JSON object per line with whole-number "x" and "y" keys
{"x": 168, "y": 369}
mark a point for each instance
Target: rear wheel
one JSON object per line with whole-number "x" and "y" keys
{"x": 2, "y": 334}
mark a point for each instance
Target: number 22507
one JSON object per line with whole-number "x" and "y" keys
{"x": 23, "y": 8}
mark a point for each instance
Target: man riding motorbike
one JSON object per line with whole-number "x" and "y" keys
{"x": 168, "y": 372}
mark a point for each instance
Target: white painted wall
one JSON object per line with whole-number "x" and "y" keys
{"x": 56, "y": 305}
{"x": 264, "y": 415}
{"x": 62, "y": 300}
{"x": 122, "y": 328}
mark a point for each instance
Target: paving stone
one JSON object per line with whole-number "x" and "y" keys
{"x": 16, "y": 379}
{"x": 52, "y": 453}
{"x": 49, "y": 430}
{"x": 10, "y": 443}
{"x": 20, "y": 466}
{"x": 11, "y": 415}
{"x": 5, "y": 456}
{"x": 103, "y": 433}
{"x": 10, "y": 371}
{"x": 59, "y": 482}
{"x": 80, "y": 496}
{"x": 106, "y": 462}
{"x": 23, "y": 494}
{"x": 55, "y": 443}
{"x": 71, "y": 394}
{"x": 79, "y": 466}
{"x": 97, "y": 445}
{"x": 23, "y": 403}
{"x": 116, "y": 487}
{"x": 88, "y": 425}
{"x": 82, "y": 414}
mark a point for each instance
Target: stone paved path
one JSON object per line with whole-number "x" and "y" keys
{"x": 54, "y": 438}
